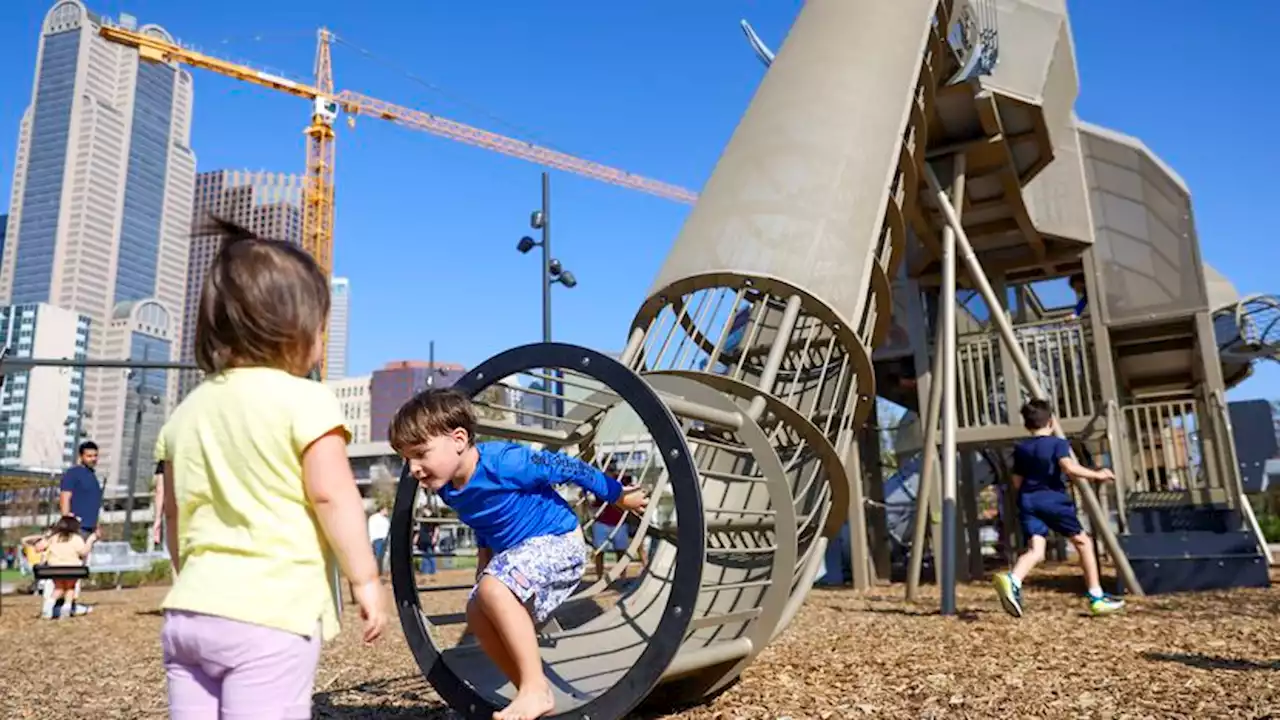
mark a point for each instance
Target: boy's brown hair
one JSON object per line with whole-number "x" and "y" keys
{"x": 264, "y": 303}
{"x": 1037, "y": 414}
{"x": 431, "y": 413}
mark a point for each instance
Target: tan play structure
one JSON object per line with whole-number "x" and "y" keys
{"x": 896, "y": 156}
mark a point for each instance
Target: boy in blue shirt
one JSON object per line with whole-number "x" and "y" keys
{"x": 531, "y": 550}
{"x": 1041, "y": 465}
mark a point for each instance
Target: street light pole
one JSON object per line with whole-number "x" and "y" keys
{"x": 546, "y": 257}
{"x": 552, "y": 272}
{"x": 132, "y": 483}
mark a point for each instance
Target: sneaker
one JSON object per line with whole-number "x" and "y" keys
{"x": 1105, "y": 604}
{"x": 1009, "y": 593}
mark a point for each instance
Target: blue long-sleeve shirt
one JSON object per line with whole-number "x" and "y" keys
{"x": 511, "y": 497}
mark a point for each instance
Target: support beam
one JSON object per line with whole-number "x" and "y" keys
{"x": 877, "y": 523}
{"x": 969, "y": 509}
{"x": 947, "y": 296}
{"x": 859, "y": 555}
{"x": 928, "y": 474}
{"x": 1103, "y": 527}
{"x": 777, "y": 353}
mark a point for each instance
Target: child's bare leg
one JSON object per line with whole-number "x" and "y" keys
{"x": 515, "y": 630}
{"x": 1029, "y": 559}
{"x": 1088, "y": 561}
{"x": 491, "y": 642}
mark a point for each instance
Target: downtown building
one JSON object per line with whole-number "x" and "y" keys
{"x": 41, "y": 409}
{"x": 99, "y": 228}
{"x": 267, "y": 204}
{"x": 354, "y": 399}
{"x": 339, "y": 314}
{"x": 395, "y": 383}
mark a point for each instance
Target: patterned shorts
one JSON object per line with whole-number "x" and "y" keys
{"x": 542, "y": 571}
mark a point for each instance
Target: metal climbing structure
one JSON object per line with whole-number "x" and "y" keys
{"x": 886, "y": 166}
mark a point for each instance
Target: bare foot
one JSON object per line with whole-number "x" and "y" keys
{"x": 533, "y": 701}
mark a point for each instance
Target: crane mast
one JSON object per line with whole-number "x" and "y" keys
{"x": 318, "y": 192}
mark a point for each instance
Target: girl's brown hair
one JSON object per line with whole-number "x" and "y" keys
{"x": 66, "y": 526}
{"x": 264, "y": 303}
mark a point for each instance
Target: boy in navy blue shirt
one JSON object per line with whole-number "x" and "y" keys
{"x": 1041, "y": 465}
{"x": 531, "y": 550}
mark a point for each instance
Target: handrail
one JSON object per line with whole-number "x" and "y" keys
{"x": 975, "y": 38}
{"x": 1117, "y": 447}
{"x": 1246, "y": 510}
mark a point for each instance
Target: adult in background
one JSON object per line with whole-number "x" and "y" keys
{"x": 425, "y": 539}
{"x": 81, "y": 493}
{"x": 379, "y": 529}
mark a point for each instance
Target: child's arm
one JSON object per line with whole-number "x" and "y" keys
{"x": 170, "y": 508}
{"x": 326, "y": 474}
{"x": 532, "y": 469}
{"x": 87, "y": 547}
{"x": 1076, "y": 470}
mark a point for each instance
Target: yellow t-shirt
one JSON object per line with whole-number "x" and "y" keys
{"x": 251, "y": 547}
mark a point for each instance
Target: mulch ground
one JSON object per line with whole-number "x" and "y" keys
{"x": 869, "y": 655}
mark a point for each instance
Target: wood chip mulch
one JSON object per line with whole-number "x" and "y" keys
{"x": 860, "y": 655}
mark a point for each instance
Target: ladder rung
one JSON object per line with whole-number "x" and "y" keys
{"x": 725, "y": 619}
{"x": 744, "y": 551}
{"x": 741, "y": 513}
{"x": 717, "y": 587}
{"x": 732, "y": 477}
{"x": 444, "y": 619}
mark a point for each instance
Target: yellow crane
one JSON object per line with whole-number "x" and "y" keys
{"x": 318, "y": 190}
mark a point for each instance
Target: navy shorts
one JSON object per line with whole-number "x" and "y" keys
{"x": 1044, "y": 510}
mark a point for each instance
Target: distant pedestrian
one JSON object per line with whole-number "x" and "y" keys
{"x": 81, "y": 491}
{"x": 379, "y": 529}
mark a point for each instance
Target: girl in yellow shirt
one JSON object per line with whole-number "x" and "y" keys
{"x": 259, "y": 495}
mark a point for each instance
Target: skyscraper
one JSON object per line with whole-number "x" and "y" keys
{"x": 339, "y": 309}
{"x": 4, "y": 226}
{"x": 267, "y": 204}
{"x": 101, "y": 211}
{"x": 42, "y": 419}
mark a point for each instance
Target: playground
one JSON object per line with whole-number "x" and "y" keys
{"x": 887, "y": 223}
{"x": 1200, "y": 655}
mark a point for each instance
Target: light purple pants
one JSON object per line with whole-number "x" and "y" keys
{"x": 224, "y": 669}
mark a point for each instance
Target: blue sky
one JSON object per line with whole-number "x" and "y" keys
{"x": 426, "y": 227}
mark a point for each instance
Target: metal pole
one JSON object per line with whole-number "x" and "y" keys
{"x": 431, "y": 364}
{"x": 548, "y": 404}
{"x": 132, "y": 482}
{"x": 949, "y": 399}
{"x": 928, "y": 471}
{"x": 979, "y": 278}
{"x": 13, "y": 363}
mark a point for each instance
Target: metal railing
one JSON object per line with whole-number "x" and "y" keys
{"x": 974, "y": 37}
{"x": 1162, "y": 442}
{"x": 1059, "y": 351}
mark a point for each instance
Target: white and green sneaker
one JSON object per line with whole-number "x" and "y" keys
{"x": 1010, "y": 593}
{"x": 1104, "y": 604}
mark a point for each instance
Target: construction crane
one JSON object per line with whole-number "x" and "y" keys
{"x": 318, "y": 189}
